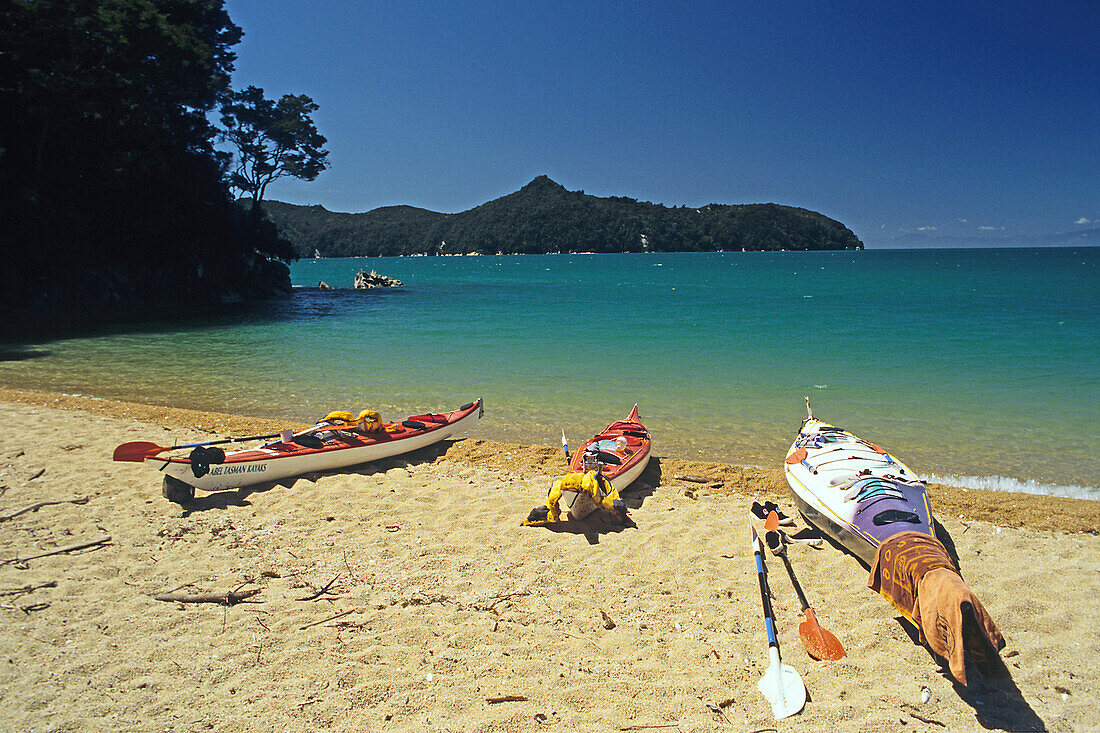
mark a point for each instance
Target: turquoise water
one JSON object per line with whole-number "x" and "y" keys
{"x": 978, "y": 365}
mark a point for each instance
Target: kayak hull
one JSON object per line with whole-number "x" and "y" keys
{"x": 853, "y": 491}
{"x": 279, "y": 461}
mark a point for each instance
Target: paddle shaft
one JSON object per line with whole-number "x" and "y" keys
{"x": 765, "y": 599}
{"x": 794, "y": 582}
{"x": 223, "y": 441}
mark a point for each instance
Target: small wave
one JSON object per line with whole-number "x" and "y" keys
{"x": 1003, "y": 483}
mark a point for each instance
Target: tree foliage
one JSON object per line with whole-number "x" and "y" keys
{"x": 272, "y": 140}
{"x": 544, "y": 217}
{"x": 107, "y": 159}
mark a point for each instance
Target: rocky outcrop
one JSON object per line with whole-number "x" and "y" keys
{"x": 365, "y": 281}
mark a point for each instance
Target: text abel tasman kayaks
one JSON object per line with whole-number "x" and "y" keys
{"x": 336, "y": 442}
{"x": 874, "y": 506}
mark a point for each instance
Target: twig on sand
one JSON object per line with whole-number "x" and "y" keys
{"x": 321, "y": 592}
{"x": 39, "y": 505}
{"x": 647, "y": 727}
{"x": 68, "y": 548}
{"x": 582, "y": 638}
{"x": 506, "y": 698}
{"x": 28, "y": 589}
{"x": 499, "y": 598}
{"x": 330, "y": 618}
{"x": 224, "y": 598}
{"x": 348, "y": 566}
{"x": 921, "y": 718}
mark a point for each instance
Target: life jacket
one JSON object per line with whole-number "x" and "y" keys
{"x": 582, "y": 493}
{"x": 368, "y": 421}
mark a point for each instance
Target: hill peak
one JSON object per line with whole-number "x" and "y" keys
{"x": 543, "y": 184}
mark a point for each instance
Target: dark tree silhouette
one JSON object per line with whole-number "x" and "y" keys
{"x": 272, "y": 140}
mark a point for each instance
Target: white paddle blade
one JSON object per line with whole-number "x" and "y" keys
{"x": 783, "y": 688}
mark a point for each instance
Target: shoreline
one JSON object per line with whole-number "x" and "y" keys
{"x": 1010, "y": 509}
{"x": 405, "y": 595}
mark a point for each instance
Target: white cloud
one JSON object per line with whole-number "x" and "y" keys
{"x": 962, "y": 221}
{"x": 1082, "y": 220}
{"x": 989, "y": 229}
{"x": 927, "y": 229}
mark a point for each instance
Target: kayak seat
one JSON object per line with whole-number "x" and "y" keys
{"x": 890, "y": 516}
{"x": 610, "y": 458}
{"x": 309, "y": 441}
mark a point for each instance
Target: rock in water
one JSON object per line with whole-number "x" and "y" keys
{"x": 364, "y": 281}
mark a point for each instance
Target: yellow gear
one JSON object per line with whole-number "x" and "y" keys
{"x": 368, "y": 421}
{"x": 599, "y": 489}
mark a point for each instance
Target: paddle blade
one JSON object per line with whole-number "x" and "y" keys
{"x": 771, "y": 524}
{"x": 783, "y": 688}
{"x": 137, "y": 451}
{"x": 819, "y": 642}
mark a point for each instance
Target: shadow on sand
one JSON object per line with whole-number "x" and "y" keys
{"x": 239, "y": 497}
{"x": 997, "y": 702}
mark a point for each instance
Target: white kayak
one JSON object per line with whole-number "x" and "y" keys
{"x": 853, "y": 490}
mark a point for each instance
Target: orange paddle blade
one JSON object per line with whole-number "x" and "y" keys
{"x": 819, "y": 643}
{"x": 137, "y": 451}
{"x": 797, "y": 457}
{"x": 771, "y": 524}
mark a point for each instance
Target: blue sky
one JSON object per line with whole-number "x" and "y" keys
{"x": 953, "y": 118}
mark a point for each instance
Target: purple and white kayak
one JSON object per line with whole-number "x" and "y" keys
{"x": 852, "y": 490}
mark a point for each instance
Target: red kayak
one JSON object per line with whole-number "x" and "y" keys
{"x": 328, "y": 446}
{"x": 611, "y": 460}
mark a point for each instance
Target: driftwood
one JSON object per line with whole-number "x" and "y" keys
{"x": 39, "y": 505}
{"x": 225, "y": 599}
{"x": 70, "y": 548}
{"x": 506, "y": 698}
{"x": 28, "y": 589}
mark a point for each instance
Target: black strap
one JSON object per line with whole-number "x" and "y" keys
{"x": 201, "y": 458}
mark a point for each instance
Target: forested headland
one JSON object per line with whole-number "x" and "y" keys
{"x": 113, "y": 197}
{"x": 544, "y": 217}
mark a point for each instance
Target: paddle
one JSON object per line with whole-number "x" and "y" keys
{"x": 138, "y": 451}
{"x": 565, "y": 446}
{"x": 819, "y": 642}
{"x": 781, "y": 684}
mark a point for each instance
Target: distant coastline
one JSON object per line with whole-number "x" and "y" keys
{"x": 545, "y": 218}
{"x": 926, "y": 240}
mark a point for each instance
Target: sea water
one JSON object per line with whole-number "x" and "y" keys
{"x": 975, "y": 367}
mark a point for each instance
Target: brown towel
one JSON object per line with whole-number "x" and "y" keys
{"x": 914, "y": 572}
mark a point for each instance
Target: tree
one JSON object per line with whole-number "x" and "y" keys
{"x": 272, "y": 140}
{"x": 108, "y": 163}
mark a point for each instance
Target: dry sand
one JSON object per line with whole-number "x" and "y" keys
{"x": 406, "y": 596}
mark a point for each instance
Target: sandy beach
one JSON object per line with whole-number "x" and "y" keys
{"x": 405, "y": 596}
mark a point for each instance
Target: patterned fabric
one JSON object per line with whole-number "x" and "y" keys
{"x": 914, "y": 572}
